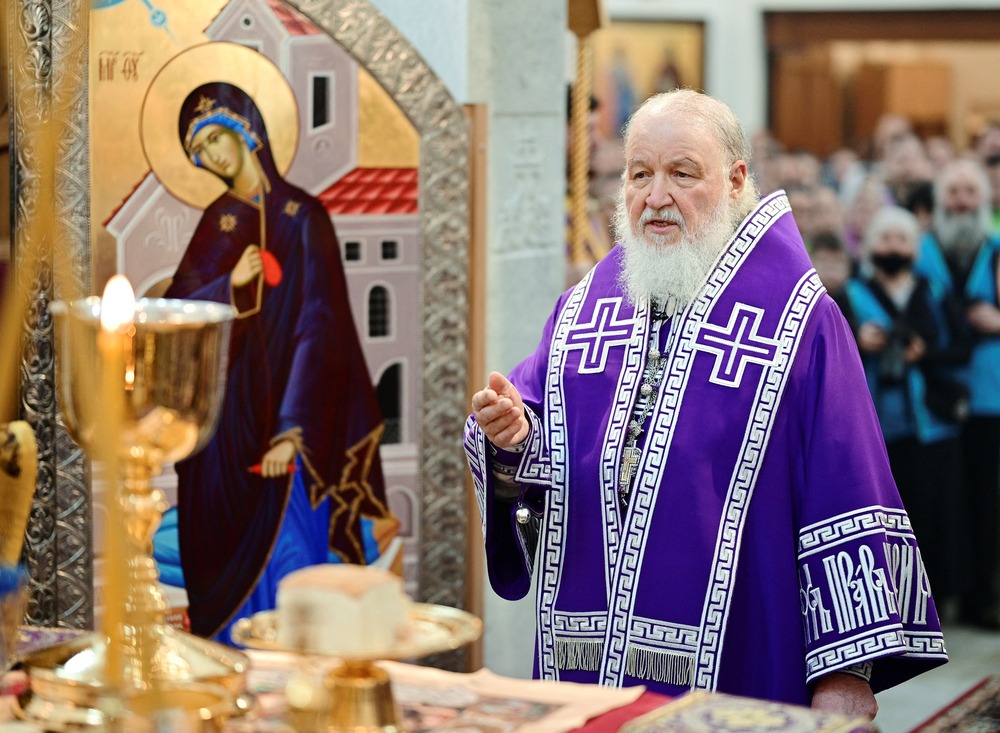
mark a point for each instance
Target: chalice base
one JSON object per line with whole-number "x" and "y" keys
{"x": 197, "y": 677}
{"x": 360, "y": 700}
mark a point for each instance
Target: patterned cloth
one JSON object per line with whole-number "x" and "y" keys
{"x": 764, "y": 544}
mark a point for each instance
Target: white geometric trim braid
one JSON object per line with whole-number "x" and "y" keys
{"x": 648, "y": 632}
{"x": 479, "y": 464}
{"x": 553, "y": 522}
{"x": 662, "y": 635}
{"x": 588, "y": 623}
{"x": 660, "y": 434}
{"x": 639, "y": 511}
{"x": 869, "y": 647}
{"x": 850, "y": 525}
{"x": 626, "y": 393}
{"x": 800, "y": 305}
{"x": 535, "y": 467}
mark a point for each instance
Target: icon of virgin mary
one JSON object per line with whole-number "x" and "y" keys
{"x": 294, "y": 465}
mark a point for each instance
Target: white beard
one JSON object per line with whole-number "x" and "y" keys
{"x": 671, "y": 273}
{"x": 960, "y": 235}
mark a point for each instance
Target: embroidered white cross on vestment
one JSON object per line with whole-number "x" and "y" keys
{"x": 735, "y": 345}
{"x": 598, "y": 337}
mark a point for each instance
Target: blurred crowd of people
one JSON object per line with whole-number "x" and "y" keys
{"x": 907, "y": 241}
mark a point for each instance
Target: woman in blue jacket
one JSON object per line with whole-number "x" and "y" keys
{"x": 912, "y": 337}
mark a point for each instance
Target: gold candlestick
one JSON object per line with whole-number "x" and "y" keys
{"x": 163, "y": 372}
{"x": 117, "y": 312}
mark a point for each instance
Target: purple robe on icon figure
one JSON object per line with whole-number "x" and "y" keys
{"x": 731, "y": 526}
{"x": 297, "y": 393}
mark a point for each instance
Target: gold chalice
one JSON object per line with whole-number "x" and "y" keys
{"x": 161, "y": 372}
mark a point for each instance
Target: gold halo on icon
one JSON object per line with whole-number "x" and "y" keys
{"x": 217, "y": 61}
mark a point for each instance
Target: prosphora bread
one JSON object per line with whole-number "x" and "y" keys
{"x": 342, "y": 610}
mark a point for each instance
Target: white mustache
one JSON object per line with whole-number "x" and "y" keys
{"x": 664, "y": 214}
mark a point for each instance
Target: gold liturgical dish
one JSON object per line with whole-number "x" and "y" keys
{"x": 358, "y": 692}
{"x": 431, "y": 629}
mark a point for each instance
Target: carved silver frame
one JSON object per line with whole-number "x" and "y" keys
{"x": 47, "y": 46}
{"x": 59, "y": 548}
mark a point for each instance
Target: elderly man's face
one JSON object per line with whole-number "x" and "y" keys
{"x": 962, "y": 194}
{"x": 674, "y": 178}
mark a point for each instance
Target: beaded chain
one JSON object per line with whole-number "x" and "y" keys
{"x": 656, "y": 364}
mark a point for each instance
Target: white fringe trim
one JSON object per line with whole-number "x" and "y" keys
{"x": 579, "y": 654}
{"x": 667, "y": 667}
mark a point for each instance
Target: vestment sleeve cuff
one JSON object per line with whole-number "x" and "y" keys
{"x": 861, "y": 669}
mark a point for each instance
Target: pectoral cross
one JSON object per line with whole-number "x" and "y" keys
{"x": 630, "y": 462}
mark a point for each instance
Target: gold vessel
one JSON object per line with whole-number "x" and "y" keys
{"x": 357, "y": 695}
{"x": 162, "y": 373}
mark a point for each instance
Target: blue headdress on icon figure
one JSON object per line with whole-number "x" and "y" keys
{"x": 230, "y": 107}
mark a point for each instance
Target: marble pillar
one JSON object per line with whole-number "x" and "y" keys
{"x": 514, "y": 63}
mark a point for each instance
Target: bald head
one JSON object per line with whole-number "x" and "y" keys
{"x": 961, "y": 218}
{"x": 708, "y": 113}
{"x": 962, "y": 186}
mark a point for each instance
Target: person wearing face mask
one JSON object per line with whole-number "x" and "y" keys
{"x": 912, "y": 336}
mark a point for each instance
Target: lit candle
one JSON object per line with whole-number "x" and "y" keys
{"x": 117, "y": 305}
{"x": 117, "y": 314}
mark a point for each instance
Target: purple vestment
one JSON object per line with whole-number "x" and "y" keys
{"x": 764, "y": 544}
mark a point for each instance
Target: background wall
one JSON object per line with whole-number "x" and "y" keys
{"x": 974, "y": 88}
{"x": 736, "y": 51}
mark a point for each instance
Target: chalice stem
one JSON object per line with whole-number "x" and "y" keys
{"x": 142, "y": 511}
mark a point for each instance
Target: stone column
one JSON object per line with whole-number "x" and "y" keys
{"x": 518, "y": 68}
{"x": 515, "y": 64}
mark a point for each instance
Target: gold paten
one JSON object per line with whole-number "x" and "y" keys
{"x": 359, "y": 697}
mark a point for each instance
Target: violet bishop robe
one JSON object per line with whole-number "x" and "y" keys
{"x": 764, "y": 544}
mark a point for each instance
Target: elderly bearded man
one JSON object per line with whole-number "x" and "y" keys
{"x": 692, "y": 454}
{"x": 961, "y": 255}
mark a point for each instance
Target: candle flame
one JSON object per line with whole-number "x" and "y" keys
{"x": 117, "y": 304}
